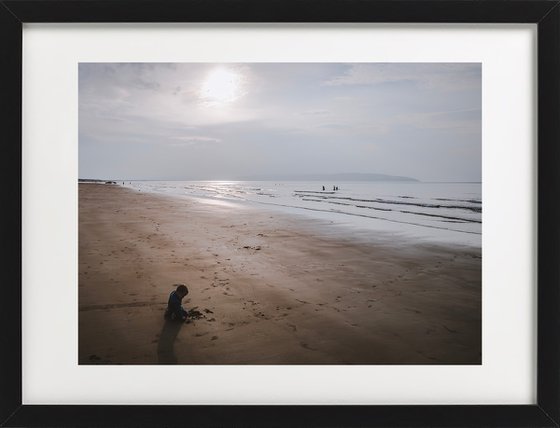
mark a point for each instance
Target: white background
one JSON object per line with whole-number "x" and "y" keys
{"x": 51, "y": 374}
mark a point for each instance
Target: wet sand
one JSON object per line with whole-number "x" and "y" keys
{"x": 272, "y": 288}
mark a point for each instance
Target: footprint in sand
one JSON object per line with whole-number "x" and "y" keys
{"x": 449, "y": 330}
{"x": 214, "y": 338}
{"x": 306, "y": 346}
{"x": 261, "y": 315}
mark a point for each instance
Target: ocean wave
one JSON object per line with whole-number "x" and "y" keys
{"x": 475, "y": 209}
{"x": 453, "y": 208}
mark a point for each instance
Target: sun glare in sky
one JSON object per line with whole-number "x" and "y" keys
{"x": 227, "y": 120}
{"x": 221, "y": 86}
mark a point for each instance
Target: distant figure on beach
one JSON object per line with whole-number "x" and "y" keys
{"x": 174, "y": 309}
{"x": 334, "y": 187}
{"x": 323, "y": 188}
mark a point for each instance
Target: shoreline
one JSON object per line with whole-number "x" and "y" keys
{"x": 279, "y": 289}
{"x": 366, "y": 227}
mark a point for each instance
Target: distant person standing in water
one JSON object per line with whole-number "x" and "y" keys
{"x": 323, "y": 188}
{"x": 174, "y": 309}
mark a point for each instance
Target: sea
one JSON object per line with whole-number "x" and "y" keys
{"x": 418, "y": 211}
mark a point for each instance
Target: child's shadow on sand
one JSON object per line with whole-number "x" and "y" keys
{"x": 165, "y": 349}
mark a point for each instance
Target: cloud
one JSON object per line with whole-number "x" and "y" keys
{"x": 315, "y": 113}
{"x": 449, "y": 76}
{"x": 163, "y": 92}
{"x": 194, "y": 139}
{"x": 467, "y": 120}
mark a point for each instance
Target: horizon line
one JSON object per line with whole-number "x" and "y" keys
{"x": 238, "y": 180}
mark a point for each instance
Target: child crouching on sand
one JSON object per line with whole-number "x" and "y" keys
{"x": 174, "y": 309}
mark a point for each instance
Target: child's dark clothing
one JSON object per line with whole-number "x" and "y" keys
{"x": 174, "y": 309}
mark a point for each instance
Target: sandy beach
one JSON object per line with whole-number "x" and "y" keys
{"x": 273, "y": 288}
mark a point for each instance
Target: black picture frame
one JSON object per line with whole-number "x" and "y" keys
{"x": 544, "y": 13}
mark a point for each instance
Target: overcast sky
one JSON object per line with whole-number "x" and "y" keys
{"x": 222, "y": 121}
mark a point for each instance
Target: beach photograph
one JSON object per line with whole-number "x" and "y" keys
{"x": 280, "y": 213}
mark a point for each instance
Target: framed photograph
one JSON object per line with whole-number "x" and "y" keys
{"x": 293, "y": 213}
